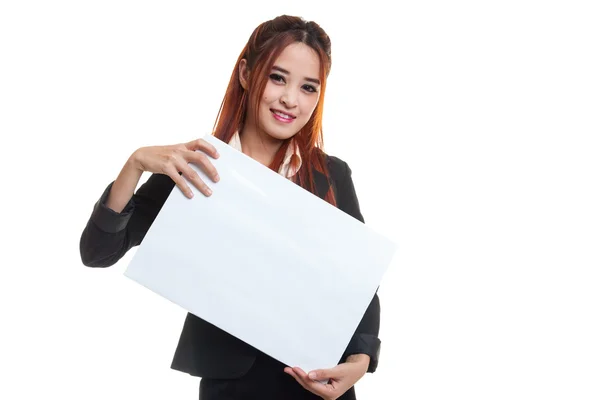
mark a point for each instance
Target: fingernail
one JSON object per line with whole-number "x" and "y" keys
{"x": 217, "y": 178}
{"x": 190, "y": 194}
{"x": 209, "y": 191}
{"x": 312, "y": 375}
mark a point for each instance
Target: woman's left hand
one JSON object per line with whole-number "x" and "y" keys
{"x": 339, "y": 379}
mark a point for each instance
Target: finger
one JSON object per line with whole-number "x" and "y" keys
{"x": 324, "y": 374}
{"x": 193, "y": 177}
{"x": 172, "y": 172}
{"x": 201, "y": 160}
{"x": 201, "y": 144}
{"x": 322, "y": 389}
{"x": 291, "y": 372}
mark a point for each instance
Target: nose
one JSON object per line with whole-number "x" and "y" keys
{"x": 289, "y": 98}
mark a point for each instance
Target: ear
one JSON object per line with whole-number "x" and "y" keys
{"x": 244, "y": 73}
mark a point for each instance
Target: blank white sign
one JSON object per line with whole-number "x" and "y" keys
{"x": 266, "y": 261}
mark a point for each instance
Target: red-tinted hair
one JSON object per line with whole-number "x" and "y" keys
{"x": 266, "y": 43}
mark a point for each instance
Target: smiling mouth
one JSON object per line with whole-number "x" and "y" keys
{"x": 282, "y": 115}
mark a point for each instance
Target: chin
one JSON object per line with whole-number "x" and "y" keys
{"x": 280, "y": 134}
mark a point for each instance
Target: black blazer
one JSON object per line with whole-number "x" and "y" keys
{"x": 203, "y": 349}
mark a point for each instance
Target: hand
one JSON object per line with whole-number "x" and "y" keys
{"x": 339, "y": 379}
{"x": 171, "y": 160}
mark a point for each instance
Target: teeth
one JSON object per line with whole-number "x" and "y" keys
{"x": 282, "y": 115}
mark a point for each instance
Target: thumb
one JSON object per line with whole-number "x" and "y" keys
{"x": 323, "y": 374}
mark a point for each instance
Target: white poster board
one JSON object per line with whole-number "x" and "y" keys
{"x": 264, "y": 260}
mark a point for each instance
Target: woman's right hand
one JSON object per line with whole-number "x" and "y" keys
{"x": 173, "y": 159}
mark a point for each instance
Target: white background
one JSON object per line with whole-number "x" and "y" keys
{"x": 472, "y": 130}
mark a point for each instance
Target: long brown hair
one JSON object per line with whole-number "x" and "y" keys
{"x": 265, "y": 44}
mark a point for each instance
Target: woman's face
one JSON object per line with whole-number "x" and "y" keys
{"x": 291, "y": 94}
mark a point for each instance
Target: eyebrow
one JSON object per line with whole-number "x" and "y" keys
{"x": 313, "y": 80}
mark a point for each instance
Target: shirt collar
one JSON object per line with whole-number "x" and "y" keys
{"x": 291, "y": 161}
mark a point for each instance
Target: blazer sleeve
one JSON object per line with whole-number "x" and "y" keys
{"x": 365, "y": 339}
{"x": 108, "y": 235}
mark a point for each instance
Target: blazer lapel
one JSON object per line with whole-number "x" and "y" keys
{"x": 321, "y": 183}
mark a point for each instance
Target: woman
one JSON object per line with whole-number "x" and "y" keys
{"x": 272, "y": 112}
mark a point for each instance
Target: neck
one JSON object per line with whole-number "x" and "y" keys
{"x": 259, "y": 146}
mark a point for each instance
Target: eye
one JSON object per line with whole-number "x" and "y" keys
{"x": 309, "y": 88}
{"x": 277, "y": 78}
